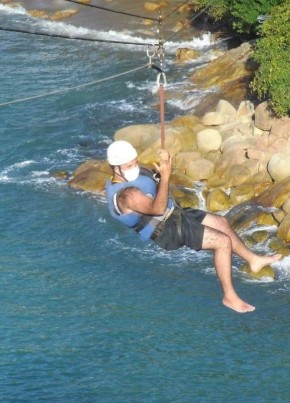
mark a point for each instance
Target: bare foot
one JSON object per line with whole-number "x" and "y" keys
{"x": 260, "y": 261}
{"x": 237, "y": 304}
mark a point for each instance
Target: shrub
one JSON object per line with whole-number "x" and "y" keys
{"x": 272, "y": 79}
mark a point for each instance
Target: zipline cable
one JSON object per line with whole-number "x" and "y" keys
{"x": 187, "y": 23}
{"x": 176, "y": 9}
{"x": 79, "y": 38}
{"x": 113, "y": 11}
{"x": 76, "y": 87}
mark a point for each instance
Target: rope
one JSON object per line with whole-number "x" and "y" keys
{"x": 112, "y": 11}
{"x": 73, "y": 88}
{"x": 162, "y": 119}
{"x": 73, "y": 38}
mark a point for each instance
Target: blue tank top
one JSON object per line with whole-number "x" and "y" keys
{"x": 149, "y": 187}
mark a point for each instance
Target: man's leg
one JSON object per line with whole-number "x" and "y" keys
{"x": 256, "y": 262}
{"x": 221, "y": 245}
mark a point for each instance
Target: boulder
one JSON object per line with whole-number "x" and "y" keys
{"x": 217, "y": 200}
{"x": 185, "y": 197}
{"x": 152, "y": 6}
{"x": 275, "y": 195}
{"x": 264, "y": 118}
{"x": 279, "y": 166}
{"x": 186, "y": 55}
{"x": 281, "y": 128}
{"x": 181, "y": 161}
{"x": 260, "y": 236}
{"x": 286, "y": 206}
{"x": 226, "y": 108}
{"x": 283, "y": 231}
{"x": 246, "y": 108}
{"x": 199, "y": 169}
{"x": 242, "y": 193}
{"x": 208, "y": 140}
{"x": 265, "y": 272}
{"x": 91, "y": 177}
{"x": 278, "y": 215}
{"x": 214, "y": 119}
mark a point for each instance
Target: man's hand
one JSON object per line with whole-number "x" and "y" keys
{"x": 164, "y": 166}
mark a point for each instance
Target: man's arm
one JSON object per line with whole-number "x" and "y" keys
{"x": 132, "y": 199}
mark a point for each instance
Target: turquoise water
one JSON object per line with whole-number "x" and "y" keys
{"x": 88, "y": 312}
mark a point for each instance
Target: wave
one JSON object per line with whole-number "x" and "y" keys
{"x": 13, "y": 10}
{"x": 70, "y": 30}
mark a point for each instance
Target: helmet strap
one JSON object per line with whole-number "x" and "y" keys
{"x": 120, "y": 173}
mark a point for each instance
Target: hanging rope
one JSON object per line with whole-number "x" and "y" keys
{"x": 162, "y": 113}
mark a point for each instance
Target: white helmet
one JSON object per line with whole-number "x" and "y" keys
{"x": 120, "y": 152}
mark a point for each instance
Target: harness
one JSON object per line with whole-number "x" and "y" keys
{"x": 143, "y": 224}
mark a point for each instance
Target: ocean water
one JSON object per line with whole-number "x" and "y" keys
{"x": 88, "y": 312}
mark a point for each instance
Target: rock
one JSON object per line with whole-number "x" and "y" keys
{"x": 281, "y": 128}
{"x": 264, "y": 118}
{"x": 284, "y": 251}
{"x": 217, "y": 200}
{"x": 226, "y": 68}
{"x": 275, "y": 195}
{"x": 246, "y": 108}
{"x": 213, "y": 119}
{"x": 185, "y": 197}
{"x": 190, "y": 121}
{"x": 199, "y": 169}
{"x": 283, "y": 231}
{"x": 140, "y": 136}
{"x": 259, "y": 155}
{"x": 91, "y": 177}
{"x": 226, "y": 108}
{"x": 264, "y": 218}
{"x": 60, "y": 15}
{"x": 186, "y": 55}
{"x": 38, "y": 14}
{"x": 237, "y": 175}
{"x": 278, "y": 215}
{"x": 286, "y": 206}
{"x": 60, "y": 174}
{"x": 279, "y": 166}
{"x": 275, "y": 244}
{"x": 208, "y": 140}
{"x": 229, "y": 75}
{"x": 260, "y": 236}
{"x": 241, "y": 194}
{"x": 151, "y": 6}
{"x": 181, "y": 161}
{"x": 265, "y": 272}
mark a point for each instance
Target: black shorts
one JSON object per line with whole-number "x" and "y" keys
{"x": 182, "y": 228}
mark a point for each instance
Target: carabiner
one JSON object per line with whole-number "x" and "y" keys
{"x": 159, "y": 75}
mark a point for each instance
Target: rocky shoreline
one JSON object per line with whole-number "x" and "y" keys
{"x": 238, "y": 155}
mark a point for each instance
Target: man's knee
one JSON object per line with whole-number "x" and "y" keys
{"x": 223, "y": 221}
{"x": 224, "y": 241}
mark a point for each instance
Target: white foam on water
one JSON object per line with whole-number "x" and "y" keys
{"x": 203, "y": 42}
{"x": 13, "y": 10}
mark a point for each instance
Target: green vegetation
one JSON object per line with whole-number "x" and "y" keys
{"x": 268, "y": 21}
{"x": 272, "y": 80}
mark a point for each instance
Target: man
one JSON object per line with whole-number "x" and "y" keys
{"x": 140, "y": 203}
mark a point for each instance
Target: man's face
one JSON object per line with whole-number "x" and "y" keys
{"x": 130, "y": 171}
{"x": 129, "y": 165}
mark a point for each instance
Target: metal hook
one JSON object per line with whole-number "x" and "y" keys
{"x": 152, "y": 53}
{"x": 159, "y": 75}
